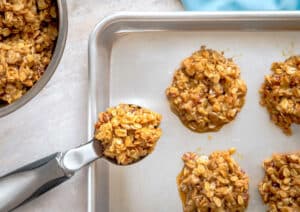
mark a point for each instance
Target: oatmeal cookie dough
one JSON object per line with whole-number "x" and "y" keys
{"x": 280, "y": 188}
{"x": 280, "y": 93}
{"x": 28, "y": 31}
{"x": 128, "y": 132}
{"x": 214, "y": 183}
{"x": 207, "y": 91}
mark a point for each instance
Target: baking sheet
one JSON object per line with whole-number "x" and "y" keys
{"x": 132, "y": 59}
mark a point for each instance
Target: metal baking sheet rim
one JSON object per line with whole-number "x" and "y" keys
{"x": 162, "y": 21}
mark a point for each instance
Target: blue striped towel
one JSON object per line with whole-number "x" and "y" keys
{"x": 231, "y": 5}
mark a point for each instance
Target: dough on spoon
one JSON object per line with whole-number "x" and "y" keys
{"x": 128, "y": 132}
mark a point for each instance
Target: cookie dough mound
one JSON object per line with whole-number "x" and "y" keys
{"x": 215, "y": 183}
{"x": 207, "y": 91}
{"x": 280, "y": 93}
{"x": 280, "y": 188}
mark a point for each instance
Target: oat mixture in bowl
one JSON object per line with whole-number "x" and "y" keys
{"x": 280, "y": 187}
{"x": 215, "y": 183}
{"x": 32, "y": 39}
{"x": 128, "y": 132}
{"x": 207, "y": 91}
{"x": 280, "y": 93}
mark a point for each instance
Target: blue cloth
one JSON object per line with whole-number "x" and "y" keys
{"x": 230, "y": 5}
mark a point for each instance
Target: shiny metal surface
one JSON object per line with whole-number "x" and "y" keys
{"x": 32, "y": 180}
{"x": 76, "y": 158}
{"x": 58, "y": 52}
{"x": 132, "y": 57}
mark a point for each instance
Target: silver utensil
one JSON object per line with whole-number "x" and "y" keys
{"x": 32, "y": 180}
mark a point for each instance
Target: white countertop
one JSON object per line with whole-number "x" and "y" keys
{"x": 56, "y": 118}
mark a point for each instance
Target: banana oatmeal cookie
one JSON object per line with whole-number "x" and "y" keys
{"x": 28, "y": 31}
{"x": 215, "y": 183}
{"x": 207, "y": 91}
{"x": 280, "y": 93}
{"x": 280, "y": 188}
{"x": 128, "y": 132}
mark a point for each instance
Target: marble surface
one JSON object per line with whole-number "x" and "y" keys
{"x": 56, "y": 118}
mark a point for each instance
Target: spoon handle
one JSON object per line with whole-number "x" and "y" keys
{"x": 30, "y": 181}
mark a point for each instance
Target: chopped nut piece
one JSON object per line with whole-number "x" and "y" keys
{"x": 206, "y": 91}
{"x": 128, "y": 132}
{"x": 280, "y": 189}
{"x": 280, "y": 93}
{"x": 27, "y": 37}
{"x": 212, "y": 184}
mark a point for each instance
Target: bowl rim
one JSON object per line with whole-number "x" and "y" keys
{"x": 56, "y": 57}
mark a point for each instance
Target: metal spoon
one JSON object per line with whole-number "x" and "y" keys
{"x": 32, "y": 180}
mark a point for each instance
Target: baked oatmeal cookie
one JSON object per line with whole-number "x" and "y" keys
{"x": 280, "y": 93}
{"x": 280, "y": 188}
{"x": 128, "y": 132}
{"x": 207, "y": 91}
{"x": 215, "y": 183}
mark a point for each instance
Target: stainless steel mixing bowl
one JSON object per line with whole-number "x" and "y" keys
{"x": 57, "y": 54}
